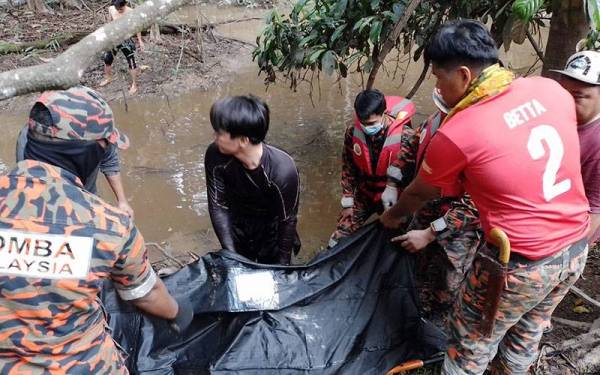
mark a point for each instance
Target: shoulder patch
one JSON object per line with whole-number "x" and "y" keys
{"x": 357, "y": 149}
{"x": 45, "y": 256}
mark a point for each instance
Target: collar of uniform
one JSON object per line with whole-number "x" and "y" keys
{"x": 45, "y": 172}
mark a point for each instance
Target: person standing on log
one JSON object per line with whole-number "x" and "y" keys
{"x": 127, "y": 47}
{"x": 253, "y": 187}
{"x": 581, "y": 78}
{"x": 512, "y": 145}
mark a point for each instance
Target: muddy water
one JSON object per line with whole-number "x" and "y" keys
{"x": 163, "y": 170}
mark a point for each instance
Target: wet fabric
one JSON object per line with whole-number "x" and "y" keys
{"x": 353, "y": 310}
{"x": 254, "y": 212}
{"x": 58, "y": 245}
{"x": 532, "y": 292}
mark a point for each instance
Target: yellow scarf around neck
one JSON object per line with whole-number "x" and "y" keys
{"x": 491, "y": 81}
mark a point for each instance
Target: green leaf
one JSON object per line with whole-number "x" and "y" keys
{"x": 368, "y": 66}
{"x": 336, "y": 34}
{"x": 340, "y": 8}
{"x": 519, "y": 31}
{"x": 313, "y": 57}
{"x": 360, "y": 25}
{"x": 592, "y": 11}
{"x": 328, "y": 62}
{"x": 375, "y": 32}
{"x": 374, "y": 4}
{"x": 526, "y": 9}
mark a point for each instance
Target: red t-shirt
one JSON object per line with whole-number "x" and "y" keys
{"x": 517, "y": 154}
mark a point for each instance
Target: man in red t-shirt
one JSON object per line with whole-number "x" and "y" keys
{"x": 512, "y": 145}
{"x": 581, "y": 78}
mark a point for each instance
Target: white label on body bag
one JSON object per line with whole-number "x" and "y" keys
{"x": 46, "y": 256}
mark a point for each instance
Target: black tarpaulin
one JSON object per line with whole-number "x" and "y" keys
{"x": 352, "y": 310}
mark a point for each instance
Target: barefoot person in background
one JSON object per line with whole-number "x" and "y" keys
{"x": 127, "y": 47}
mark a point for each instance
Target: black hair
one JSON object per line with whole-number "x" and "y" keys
{"x": 369, "y": 102}
{"x": 241, "y": 116}
{"x": 119, "y": 3}
{"x": 462, "y": 42}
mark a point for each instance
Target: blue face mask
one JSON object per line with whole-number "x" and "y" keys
{"x": 372, "y": 129}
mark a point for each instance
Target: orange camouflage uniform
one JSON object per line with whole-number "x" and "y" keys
{"x": 51, "y": 320}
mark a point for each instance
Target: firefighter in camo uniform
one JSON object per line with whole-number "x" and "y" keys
{"x": 512, "y": 144}
{"x": 58, "y": 243}
{"x": 453, "y": 223}
{"x": 370, "y": 146}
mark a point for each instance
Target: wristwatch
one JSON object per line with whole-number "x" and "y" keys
{"x": 347, "y": 202}
{"x": 438, "y": 225}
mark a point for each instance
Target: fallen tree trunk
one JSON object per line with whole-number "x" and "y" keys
{"x": 66, "y": 39}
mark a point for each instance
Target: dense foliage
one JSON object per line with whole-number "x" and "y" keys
{"x": 336, "y": 36}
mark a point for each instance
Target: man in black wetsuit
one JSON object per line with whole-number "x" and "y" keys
{"x": 253, "y": 187}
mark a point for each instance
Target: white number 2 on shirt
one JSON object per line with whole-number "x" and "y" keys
{"x": 535, "y": 145}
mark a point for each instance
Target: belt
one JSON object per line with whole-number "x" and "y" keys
{"x": 557, "y": 258}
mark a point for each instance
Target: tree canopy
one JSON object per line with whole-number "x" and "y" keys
{"x": 336, "y": 36}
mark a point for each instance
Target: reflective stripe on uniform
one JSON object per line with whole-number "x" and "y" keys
{"x": 141, "y": 290}
{"x": 398, "y": 107}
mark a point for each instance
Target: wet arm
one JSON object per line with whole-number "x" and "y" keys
{"x": 349, "y": 169}
{"x": 157, "y": 302}
{"x": 218, "y": 207}
{"x": 289, "y": 191}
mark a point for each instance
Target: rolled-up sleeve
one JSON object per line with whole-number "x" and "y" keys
{"x": 110, "y": 164}
{"x": 132, "y": 273}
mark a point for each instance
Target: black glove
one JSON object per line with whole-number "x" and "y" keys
{"x": 184, "y": 317}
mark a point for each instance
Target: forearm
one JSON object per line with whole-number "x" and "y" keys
{"x": 116, "y": 185}
{"x": 221, "y": 221}
{"x": 287, "y": 235}
{"x": 139, "y": 38}
{"x": 157, "y": 302}
{"x": 594, "y": 232}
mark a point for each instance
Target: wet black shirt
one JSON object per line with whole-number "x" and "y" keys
{"x": 254, "y": 212}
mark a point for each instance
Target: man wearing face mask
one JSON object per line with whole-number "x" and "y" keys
{"x": 59, "y": 243}
{"x": 370, "y": 147}
{"x": 109, "y": 166}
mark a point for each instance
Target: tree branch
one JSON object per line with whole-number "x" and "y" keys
{"x": 535, "y": 46}
{"x": 390, "y": 42}
{"x": 67, "y": 69}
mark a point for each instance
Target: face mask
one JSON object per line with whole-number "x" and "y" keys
{"x": 372, "y": 129}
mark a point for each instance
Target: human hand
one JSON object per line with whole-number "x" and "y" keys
{"x": 346, "y": 213}
{"x": 184, "y": 317}
{"x": 389, "y": 197}
{"x": 415, "y": 240}
{"x": 124, "y": 205}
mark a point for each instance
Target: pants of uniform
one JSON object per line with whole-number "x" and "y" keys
{"x": 453, "y": 260}
{"x": 361, "y": 211}
{"x": 532, "y": 292}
